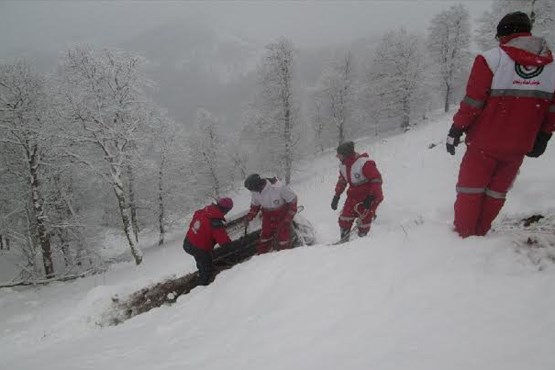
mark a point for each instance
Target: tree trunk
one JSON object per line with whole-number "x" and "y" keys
{"x": 287, "y": 133}
{"x": 38, "y": 214}
{"x": 126, "y": 218}
{"x": 132, "y": 203}
{"x": 447, "y": 96}
{"x": 66, "y": 251}
{"x": 405, "y": 124}
{"x": 1, "y": 242}
{"x": 161, "y": 203}
{"x": 288, "y": 151}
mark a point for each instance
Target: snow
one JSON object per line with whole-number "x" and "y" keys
{"x": 412, "y": 295}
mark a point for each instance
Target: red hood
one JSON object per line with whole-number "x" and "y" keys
{"x": 213, "y": 211}
{"x": 347, "y": 161}
{"x": 526, "y": 49}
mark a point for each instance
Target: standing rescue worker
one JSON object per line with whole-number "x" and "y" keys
{"x": 278, "y": 204}
{"x": 508, "y": 112}
{"x": 364, "y": 195}
{"x": 205, "y": 230}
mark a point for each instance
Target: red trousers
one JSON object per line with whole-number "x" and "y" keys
{"x": 354, "y": 208}
{"x": 274, "y": 227}
{"x": 484, "y": 180}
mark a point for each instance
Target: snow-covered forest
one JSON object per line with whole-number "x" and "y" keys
{"x": 101, "y": 169}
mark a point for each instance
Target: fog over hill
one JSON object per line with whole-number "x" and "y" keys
{"x": 205, "y": 53}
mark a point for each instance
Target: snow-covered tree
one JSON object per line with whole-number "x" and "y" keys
{"x": 396, "y": 86}
{"x": 541, "y": 12}
{"x": 171, "y": 172}
{"x": 105, "y": 101}
{"x": 208, "y": 153}
{"x": 448, "y": 41}
{"x": 274, "y": 115}
{"x": 335, "y": 98}
{"x": 25, "y": 120}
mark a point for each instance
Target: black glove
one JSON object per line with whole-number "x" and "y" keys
{"x": 453, "y": 139}
{"x": 539, "y": 145}
{"x": 334, "y": 202}
{"x": 368, "y": 201}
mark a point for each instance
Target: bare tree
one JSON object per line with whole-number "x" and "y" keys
{"x": 318, "y": 124}
{"x": 397, "y": 78}
{"x": 24, "y": 120}
{"x": 448, "y": 40}
{"x": 276, "y": 105}
{"x": 336, "y": 94}
{"x": 209, "y": 156}
{"x": 104, "y": 96}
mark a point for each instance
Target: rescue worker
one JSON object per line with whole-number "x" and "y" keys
{"x": 508, "y": 112}
{"x": 278, "y": 204}
{"x": 364, "y": 195}
{"x": 205, "y": 230}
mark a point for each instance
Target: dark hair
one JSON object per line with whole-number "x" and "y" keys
{"x": 515, "y": 22}
{"x": 347, "y": 148}
{"x": 254, "y": 182}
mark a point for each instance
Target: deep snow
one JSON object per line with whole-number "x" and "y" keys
{"x": 412, "y": 295}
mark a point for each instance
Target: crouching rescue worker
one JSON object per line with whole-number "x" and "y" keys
{"x": 508, "y": 112}
{"x": 205, "y": 230}
{"x": 364, "y": 195}
{"x": 278, "y": 204}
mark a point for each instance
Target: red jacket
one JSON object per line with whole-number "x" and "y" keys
{"x": 509, "y": 96}
{"x": 362, "y": 176}
{"x": 208, "y": 228}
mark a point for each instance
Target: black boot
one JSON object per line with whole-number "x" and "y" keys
{"x": 345, "y": 234}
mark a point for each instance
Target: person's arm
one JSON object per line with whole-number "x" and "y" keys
{"x": 548, "y": 125}
{"x": 477, "y": 93}
{"x": 255, "y": 208}
{"x": 341, "y": 185}
{"x": 371, "y": 172}
{"x": 545, "y": 133}
{"x": 290, "y": 198}
{"x": 253, "y": 212}
{"x": 219, "y": 232}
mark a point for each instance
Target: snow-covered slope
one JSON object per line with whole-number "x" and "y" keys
{"x": 412, "y": 295}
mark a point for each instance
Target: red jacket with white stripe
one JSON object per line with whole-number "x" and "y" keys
{"x": 509, "y": 96}
{"x": 361, "y": 174}
{"x": 208, "y": 228}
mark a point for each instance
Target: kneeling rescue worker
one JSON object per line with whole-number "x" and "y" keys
{"x": 205, "y": 230}
{"x": 278, "y": 204}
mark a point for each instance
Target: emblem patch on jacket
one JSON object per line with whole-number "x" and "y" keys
{"x": 196, "y": 226}
{"x": 528, "y": 72}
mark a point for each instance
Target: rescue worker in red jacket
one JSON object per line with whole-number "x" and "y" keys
{"x": 205, "y": 230}
{"x": 508, "y": 112}
{"x": 278, "y": 204}
{"x": 364, "y": 195}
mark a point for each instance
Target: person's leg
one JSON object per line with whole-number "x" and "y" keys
{"x": 205, "y": 267}
{"x": 266, "y": 237}
{"x": 365, "y": 221}
{"x": 284, "y": 237}
{"x": 475, "y": 173}
{"x": 346, "y": 218}
{"x": 496, "y": 192}
{"x": 204, "y": 262}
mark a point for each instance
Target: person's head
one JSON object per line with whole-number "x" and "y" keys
{"x": 345, "y": 150}
{"x": 225, "y": 204}
{"x": 254, "y": 182}
{"x": 515, "y": 22}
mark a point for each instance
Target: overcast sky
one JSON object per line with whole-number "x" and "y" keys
{"x": 28, "y": 26}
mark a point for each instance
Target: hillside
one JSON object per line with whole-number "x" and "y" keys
{"x": 412, "y": 295}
